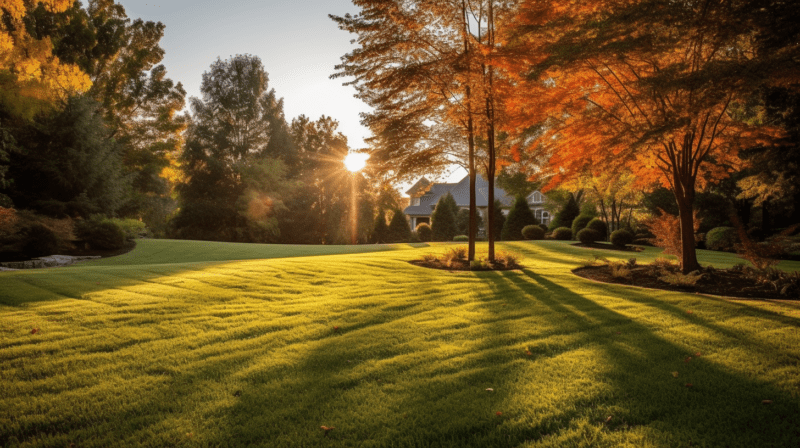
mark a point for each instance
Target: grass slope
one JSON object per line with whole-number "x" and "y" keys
{"x": 141, "y": 352}
{"x": 180, "y": 251}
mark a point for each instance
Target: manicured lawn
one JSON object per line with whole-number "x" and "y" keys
{"x": 207, "y": 344}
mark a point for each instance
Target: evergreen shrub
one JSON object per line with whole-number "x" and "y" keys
{"x": 461, "y": 238}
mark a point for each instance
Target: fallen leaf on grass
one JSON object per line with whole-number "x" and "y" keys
{"x": 528, "y": 352}
{"x": 688, "y": 358}
{"x": 609, "y": 418}
{"x": 498, "y": 413}
{"x": 490, "y": 390}
{"x": 690, "y": 312}
{"x": 675, "y": 374}
{"x": 327, "y": 429}
{"x": 697, "y": 355}
{"x": 689, "y": 385}
{"x": 335, "y": 328}
{"x": 766, "y": 402}
{"x": 34, "y": 331}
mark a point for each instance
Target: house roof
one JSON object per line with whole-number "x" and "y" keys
{"x": 460, "y": 192}
{"x": 419, "y": 188}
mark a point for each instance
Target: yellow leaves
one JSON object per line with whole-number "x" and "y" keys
{"x": 6, "y": 43}
{"x": 36, "y": 76}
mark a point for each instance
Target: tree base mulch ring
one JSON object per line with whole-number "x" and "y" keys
{"x": 717, "y": 282}
{"x": 609, "y": 246}
{"x": 464, "y": 265}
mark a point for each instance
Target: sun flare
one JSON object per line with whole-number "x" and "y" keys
{"x": 355, "y": 161}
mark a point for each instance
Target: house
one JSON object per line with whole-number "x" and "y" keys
{"x": 424, "y": 196}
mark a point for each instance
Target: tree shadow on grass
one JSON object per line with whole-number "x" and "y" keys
{"x": 415, "y": 373}
{"x": 723, "y": 407}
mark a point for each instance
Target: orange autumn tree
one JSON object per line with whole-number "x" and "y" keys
{"x": 657, "y": 87}
{"x": 418, "y": 65}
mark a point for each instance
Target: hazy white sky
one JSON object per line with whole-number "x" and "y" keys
{"x": 297, "y": 42}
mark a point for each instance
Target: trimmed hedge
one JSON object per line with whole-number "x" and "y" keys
{"x": 621, "y": 237}
{"x": 721, "y": 238}
{"x": 424, "y": 232}
{"x": 39, "y": 241}
{"x": 579, "y": 224}
{"x": 461, "y": 238}
{"x": 534, "y": 232}
{"x": 106, "y": 235}
{"x": 589, "y": 236}
{"x": 599, "y": 226}
{"x": 562, "y": 234}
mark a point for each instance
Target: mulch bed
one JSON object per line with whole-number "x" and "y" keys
{"x": 462, "y": 265}
{"x": 716, "y": 282}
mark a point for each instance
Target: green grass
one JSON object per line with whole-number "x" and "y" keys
{"x": 207, "y": 344}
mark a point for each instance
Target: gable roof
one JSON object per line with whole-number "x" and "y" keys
{"x": 419, "y": 188}
{"x": 460, "y": 192}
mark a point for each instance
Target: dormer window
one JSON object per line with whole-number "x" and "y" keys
{"x": 414, "y": 201}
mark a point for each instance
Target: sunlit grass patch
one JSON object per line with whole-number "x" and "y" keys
{"x": 265, "y": 352}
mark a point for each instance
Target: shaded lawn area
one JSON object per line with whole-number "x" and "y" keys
{"x": 146, "y": 352}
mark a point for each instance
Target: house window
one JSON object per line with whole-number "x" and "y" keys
{"x": 543, "y": 216}
{"x": 414, "y": 201}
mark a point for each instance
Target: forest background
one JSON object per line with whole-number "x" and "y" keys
{"x": 685, "y": 107}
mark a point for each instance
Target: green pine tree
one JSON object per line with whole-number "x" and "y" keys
{"x": 443, "y": 220}
{"x": 399, "y": 230}
{"x": 519, "y": 217}
{"x": 567, "y": 214}
{"x": 380, "y": 231}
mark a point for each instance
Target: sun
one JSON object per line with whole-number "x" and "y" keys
{"x": 355, "y": 161}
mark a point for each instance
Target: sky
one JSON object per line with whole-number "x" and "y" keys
{"x": 297, "y": 42}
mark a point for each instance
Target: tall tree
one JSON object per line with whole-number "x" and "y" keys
{"x": 416, "y": 68}
{"x": 651, "y": 85}
{"x": 70, "y": 167}
{"x": 229, "y": 135}
{"x": 139, "y": 102}
{"x": 323, "y": 201}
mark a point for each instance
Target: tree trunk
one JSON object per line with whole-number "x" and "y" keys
{"x": 473, "y": 207}
{"x": 491, "y": 143}
{"x": 684, "y": 196}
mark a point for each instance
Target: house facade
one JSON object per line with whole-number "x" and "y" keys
{"x": 424, "y": 196}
